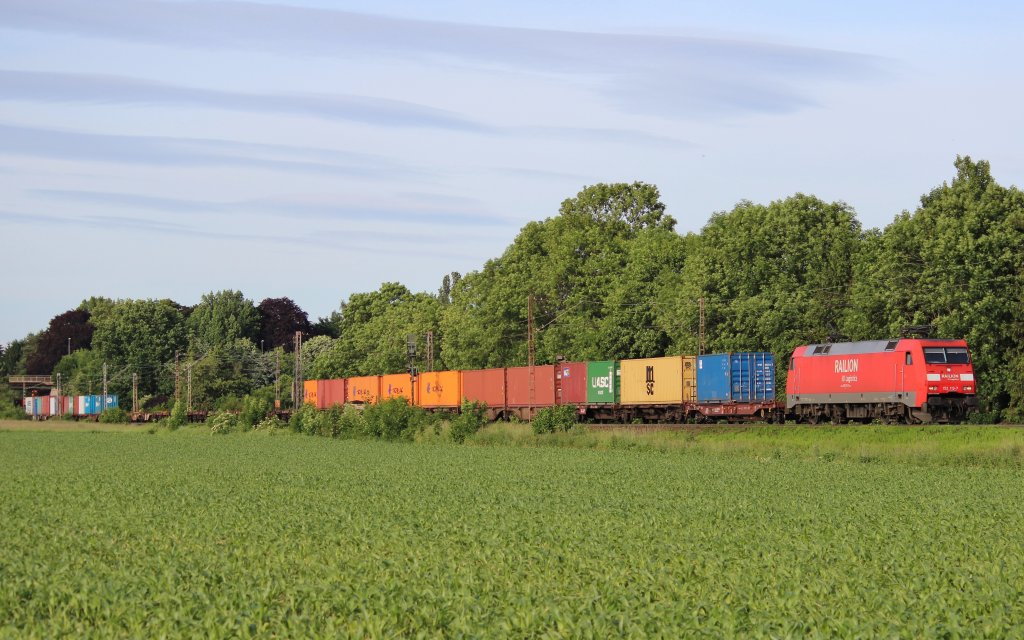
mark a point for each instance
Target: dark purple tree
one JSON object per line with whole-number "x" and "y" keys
{"x": 280, "y": 318}
{"x": 67, "y": 332}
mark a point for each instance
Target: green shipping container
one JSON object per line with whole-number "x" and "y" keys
{"x": 603, "y": 382}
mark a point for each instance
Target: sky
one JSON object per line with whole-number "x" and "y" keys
{"x": 315, "y": 149}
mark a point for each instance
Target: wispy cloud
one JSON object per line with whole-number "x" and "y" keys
{"x": 386, "y": 241}
{"x": 111, "y": 89}
{"x": 666, "y": 75}
{"x": 399, "y": 211}
{"x": 192, "y": 152}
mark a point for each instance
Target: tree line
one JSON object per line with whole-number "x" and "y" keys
{"x": 610, "y": 277}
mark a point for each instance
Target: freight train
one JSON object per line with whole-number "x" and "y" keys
{"x": 896, "y": 381}
{"x": 43, "y": 407}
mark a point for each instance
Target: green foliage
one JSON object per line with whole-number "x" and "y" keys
{"x": 393, "y": 419}
{"x": 254, "y": 410}
{"x": 178, "y": 417}
{"x": 594, "y": 271}
{"x": 139, "y": 336}
{"x": 81, "y": 372}
{"x": 223, "y": 422}
{"x": 231, "y": 369}
{"x": 114, "y": 415}
{"x": 557, "y": 419}
{"x": 955, "y": 263}
{"x": 270, "y": 424}
{"x": 373, "y": 332}
{"x": 472, "y": 417}
{"x": 772, "y": 277}
{"x": 224, "y": 317}
{"x": 11, "y": 407}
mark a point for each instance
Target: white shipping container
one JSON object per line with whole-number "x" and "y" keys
{"x": 27, "y": 402}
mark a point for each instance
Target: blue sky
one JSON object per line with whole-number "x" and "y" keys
{"x": 314, "y": 149}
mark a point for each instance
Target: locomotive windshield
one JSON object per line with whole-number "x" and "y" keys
{"x": 946, "y": 355}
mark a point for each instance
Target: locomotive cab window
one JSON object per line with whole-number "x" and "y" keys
{"x": 946, "y": 355}
{"x": 935, "y": 355}
{"x": 910, "y": 359}
{"x": 957, "y": 355}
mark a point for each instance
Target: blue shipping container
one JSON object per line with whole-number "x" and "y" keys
{"x": 92, "y": 404}
{"x": 736, "y": 377}
{"x": 110, "y": 402}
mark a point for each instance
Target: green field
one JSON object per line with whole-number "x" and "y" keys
{"x": 185, "y": 534}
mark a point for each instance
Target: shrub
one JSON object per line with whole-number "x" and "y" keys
{"x": 559, "y": 418}
{"x": 178, "y": 416}
{"x": 393, "y": 419}
{"x": 272, "y": 423}
{"x": 471, "y": 419}
{"x": 254, "y": 410}
{"x": 114, "y": 415}
{"x": 222, "y": 422}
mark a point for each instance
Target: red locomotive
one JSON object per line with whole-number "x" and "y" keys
{"x": 909, "y": 381}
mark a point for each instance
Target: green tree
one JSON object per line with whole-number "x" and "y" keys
{"x": 374, "y": 329}
{"x": 223, "y": 317}
{"x": 590, "y": 271}
{"x": 955, "y": 263}
{"x": 140, "y": 336}
{"x": 81, "y": 372}
{"x": 772, "y": 277}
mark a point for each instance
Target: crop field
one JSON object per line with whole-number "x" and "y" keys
{"x": 135, "y": 534}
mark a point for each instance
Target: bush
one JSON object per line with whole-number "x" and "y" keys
{"x": 471, "y": 419}
{"x": 559, "y": 418}
{"x": 114, "y": 415}
{"x": 983, "y": 417}
{"x": 273, "y": 423}
{"x": 254, "y": 410}
{"x": 393, "y": 419}
{"x": 178, "y": 416}
{"x": 222, "y": 422}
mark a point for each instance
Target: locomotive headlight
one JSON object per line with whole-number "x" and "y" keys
{"x": 968, "y": 387}
{"x": 932, "y": 387}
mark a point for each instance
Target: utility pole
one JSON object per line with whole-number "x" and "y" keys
{"x": 531, "y": 354}
{"x": 277, "y": 382}
{"x": 430, "y": 351}
{"x": 410, "y": 350}
{"x": 700, "y": 335}
{"x": 104, "y": 386}
{"x": 59, "y": 403}
{"x": 177, "y": 379}
{"x": 297, "y": 386}
{"x": 135, "y": 393}
{"x": 188, "y": 381}
{"x": 69, "y": 346}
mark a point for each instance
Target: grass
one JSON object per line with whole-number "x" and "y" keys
{"x": 927, "y": 445}
{"x": 68, "y": 425}
{"x": 256, "y": 535}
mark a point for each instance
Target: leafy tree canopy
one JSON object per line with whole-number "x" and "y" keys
{"x": 280, "y": 318}
{"x": 223, "y": 317}
{"x": 68, "y": 331}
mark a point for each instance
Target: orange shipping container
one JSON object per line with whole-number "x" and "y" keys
{"x": 331, "y": 393}
{"x": 363, "y": 389}
{"x": 439, "y": 389}
{"x": 309, "y": 389}
{"x": 652, "y": 380}
{"x": 397, "y": 385}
